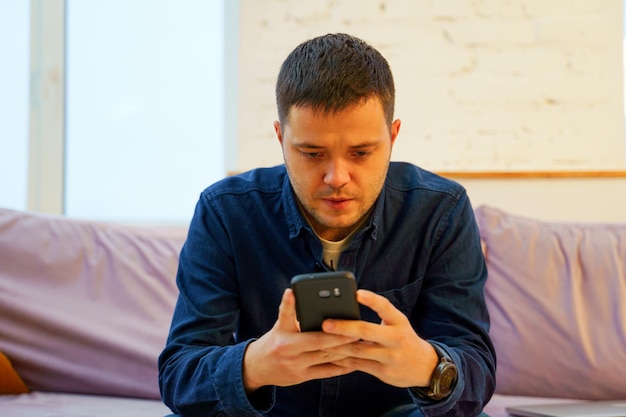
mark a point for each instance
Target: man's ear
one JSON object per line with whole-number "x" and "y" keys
{"x": 395, "y": 130}
{"x": 279, "y": 133}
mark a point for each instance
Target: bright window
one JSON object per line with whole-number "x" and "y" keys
{"x": 14, "y": 88}
{"x": 144, "y": 112}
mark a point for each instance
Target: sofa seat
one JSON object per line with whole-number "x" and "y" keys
{"x": 497, "y": 405}
{"x": 51, "y": 404}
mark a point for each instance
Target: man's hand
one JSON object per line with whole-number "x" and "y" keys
{"x": 390, "y": 351}
{"x": 284, "y": 356}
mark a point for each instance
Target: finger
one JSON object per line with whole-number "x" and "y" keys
{"x": 388, "y": 313}
{"x": 326, "y": 370}
{"x": 361, "y": 350}
{"x": 320, "y": 341}
{"x": 321, "y": 357}
{"x": 371, "y": 332}
{"x": 287, "y": 312}
{"x": 371, "y": 367}
{"x": 358, "y": 330}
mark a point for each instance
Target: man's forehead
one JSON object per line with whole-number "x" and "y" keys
{"x": 327, "y": 109}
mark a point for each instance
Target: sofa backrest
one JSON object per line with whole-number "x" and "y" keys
{"x": 556, "y": 293}
{"x": 85, "y": 307}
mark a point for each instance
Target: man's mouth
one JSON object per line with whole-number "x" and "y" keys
{"x": 337, "y": 203}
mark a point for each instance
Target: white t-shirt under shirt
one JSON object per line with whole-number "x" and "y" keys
{"x": 332, "y": 250}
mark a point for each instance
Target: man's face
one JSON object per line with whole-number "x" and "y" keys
{"x": 337, "y": 163}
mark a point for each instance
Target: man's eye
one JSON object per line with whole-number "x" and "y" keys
{"x": 312, "y": 155}
{"x": 362, "y": 154}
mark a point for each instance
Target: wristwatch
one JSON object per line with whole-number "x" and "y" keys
{"x": 443, "y": 379}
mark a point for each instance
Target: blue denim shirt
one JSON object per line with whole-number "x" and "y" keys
{"x": 420, "y": 249}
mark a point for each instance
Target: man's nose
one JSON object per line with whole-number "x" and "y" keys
{"x": 337, "y": 173}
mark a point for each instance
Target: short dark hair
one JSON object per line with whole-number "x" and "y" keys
{"x": 331, "y": 72}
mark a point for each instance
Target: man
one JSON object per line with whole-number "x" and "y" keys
{"x": 409, "y": 236}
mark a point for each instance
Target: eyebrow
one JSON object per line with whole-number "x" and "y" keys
{"x": 315, "y": 146}
{"x": 306, "y": 145}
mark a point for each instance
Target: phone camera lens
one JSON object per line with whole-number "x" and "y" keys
{"x": 324, "y": 293}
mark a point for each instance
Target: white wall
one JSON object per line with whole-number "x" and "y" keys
{"x": 563, "y": 199}
{"x": 523, "y": 85}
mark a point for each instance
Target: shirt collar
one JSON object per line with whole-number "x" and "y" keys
{"x": 294, "y": 219}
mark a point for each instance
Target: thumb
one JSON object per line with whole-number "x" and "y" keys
{"x": 287, "y": 319}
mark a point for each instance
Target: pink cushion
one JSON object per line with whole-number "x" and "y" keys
{"x": 85, "y": 307}
{"x": 557, "y": 298}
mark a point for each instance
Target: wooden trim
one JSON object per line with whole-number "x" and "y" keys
{"x": 531, "y": 174}
{"x": 519, "y": 174}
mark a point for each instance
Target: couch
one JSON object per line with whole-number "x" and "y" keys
{"x": 85, "y": 308}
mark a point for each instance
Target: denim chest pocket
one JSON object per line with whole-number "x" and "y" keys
{"x": 404, "y": 299}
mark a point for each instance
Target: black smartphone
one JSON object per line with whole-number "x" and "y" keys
{"x": 324, "y": 295}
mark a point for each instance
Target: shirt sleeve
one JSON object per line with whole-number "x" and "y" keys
{"x": 201, "y": 367}
{"x": 452, "y": 312}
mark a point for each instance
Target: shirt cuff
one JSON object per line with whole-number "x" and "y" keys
{"x": 440, "y": 407}
{"x": 228, "y": 382}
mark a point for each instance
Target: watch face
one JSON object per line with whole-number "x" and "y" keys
{"x": 447, "y": 379}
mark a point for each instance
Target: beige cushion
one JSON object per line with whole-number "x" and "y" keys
{"x": 85, "y": 307}
{"x": 557, "y": 298}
